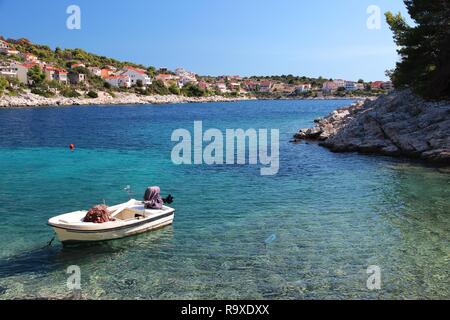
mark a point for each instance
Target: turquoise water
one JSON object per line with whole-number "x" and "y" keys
{"x": 309, "y": 232}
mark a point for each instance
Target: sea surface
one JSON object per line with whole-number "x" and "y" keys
{"x": 309, "y": 232}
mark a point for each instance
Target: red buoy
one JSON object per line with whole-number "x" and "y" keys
{"x": 72, "y": 146}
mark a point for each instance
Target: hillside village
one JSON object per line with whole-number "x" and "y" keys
{"x": 75, "y": 73}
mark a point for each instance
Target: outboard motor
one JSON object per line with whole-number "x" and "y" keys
{"x": 153, "y": 200}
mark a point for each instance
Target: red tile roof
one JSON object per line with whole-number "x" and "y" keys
{"x": 135, "y": 69}
{"x": 117, "y": 77}
{"x": 28, "y": 65}
{"x": 59, "y": 70}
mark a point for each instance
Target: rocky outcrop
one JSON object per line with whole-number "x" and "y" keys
{"x": 32, "y": 100}
{"x": 399, "y": 124}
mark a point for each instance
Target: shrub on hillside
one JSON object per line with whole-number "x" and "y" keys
{"x": 69, "y": 93}
{"x": 92, "y": 94}
{"x": 173, "y": 89}
{"x": 158, "y": 87}
{"x": 42, "y": 91}
{"x": 192, "y": 90}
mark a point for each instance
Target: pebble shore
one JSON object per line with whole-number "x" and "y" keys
{"x": 33, "y": 100}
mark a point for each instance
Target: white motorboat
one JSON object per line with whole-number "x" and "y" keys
{"x": 130, "y": 218}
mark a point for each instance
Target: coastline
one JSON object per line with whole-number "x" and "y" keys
{"x": 33, "y": 100}
{"x": 400, "y": 124}
{"x": 28, "y": 99}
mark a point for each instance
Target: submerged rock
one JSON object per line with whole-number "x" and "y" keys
{"x": 399, "y": 124}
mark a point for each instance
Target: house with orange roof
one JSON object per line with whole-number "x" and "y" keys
{"x": 234, "y": 86}
{"x": 95, "y": 71}
{"x": 265, "y": 86}
{"x": 168, "y": 79}
{"x": 3, "y": 46}
{"x": 10, "y": 52}
{"x": 76, "y": 65}
{"x": 251, "y": 85}
{"x": 53, "y": 73}
{"x": 106, "y": 73}
{"x": 135, "y": 75}
{"x": 377, "y": 85}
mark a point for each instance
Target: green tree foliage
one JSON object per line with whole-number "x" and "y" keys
{"x": 424, "y": 48}
{"x": 36, "y": 76}
{"x": 174, "y": 89}
{"x": 92, "y": 94}
{"x": 3, "y": 84}
{"x": 151, "y": 71}
{"x": 192, "y": 90}
{"x": 69, "y": 92}
{"x": 158, "y": 87}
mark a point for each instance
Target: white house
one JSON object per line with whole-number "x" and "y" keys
{"x": 10, "y": 52}
{"x": 76, "y": 78}
{"x": 359, "y": 86}
{"x": 9, "y": 71}
{"x": 388, "y": 86}
{"x": 95, "y": 71}
{"x": 305, "y": 87}
{"x": 3, "y": 46}
{"x": 185, "y": 77}
{"x": 119, "y": 81}
{"x": 221, "y": 87}
{"x": 76, "y": 65}
{"x": 339, "y": 83}
{"x": 350, "y": 86}
{"x": 136, "y": 74}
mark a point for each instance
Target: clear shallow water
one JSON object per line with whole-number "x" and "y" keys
{"x": 309, "y": 232}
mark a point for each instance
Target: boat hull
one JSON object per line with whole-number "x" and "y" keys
{"x": 69, "y": 235}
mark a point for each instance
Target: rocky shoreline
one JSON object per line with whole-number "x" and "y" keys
{"x": 28, "y": 99}
{"x": 33, "y": 100}
{"x": 399, "y": 124}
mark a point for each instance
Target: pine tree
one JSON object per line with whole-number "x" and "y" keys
{"x": 424, "y": 48}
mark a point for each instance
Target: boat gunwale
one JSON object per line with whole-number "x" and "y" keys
{"x": 127, "y": 226}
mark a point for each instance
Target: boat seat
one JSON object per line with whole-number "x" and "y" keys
{"x": 128, "y": 214}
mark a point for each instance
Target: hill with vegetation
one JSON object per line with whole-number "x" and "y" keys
{"x": 65, "y": 58}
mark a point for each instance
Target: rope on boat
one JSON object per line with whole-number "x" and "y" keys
{"x": 51, "y": 241}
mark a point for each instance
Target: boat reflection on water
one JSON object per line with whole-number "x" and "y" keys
{"x": 48, "y": 258}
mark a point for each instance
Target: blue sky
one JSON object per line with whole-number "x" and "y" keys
{"x": 214, "y": 37}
